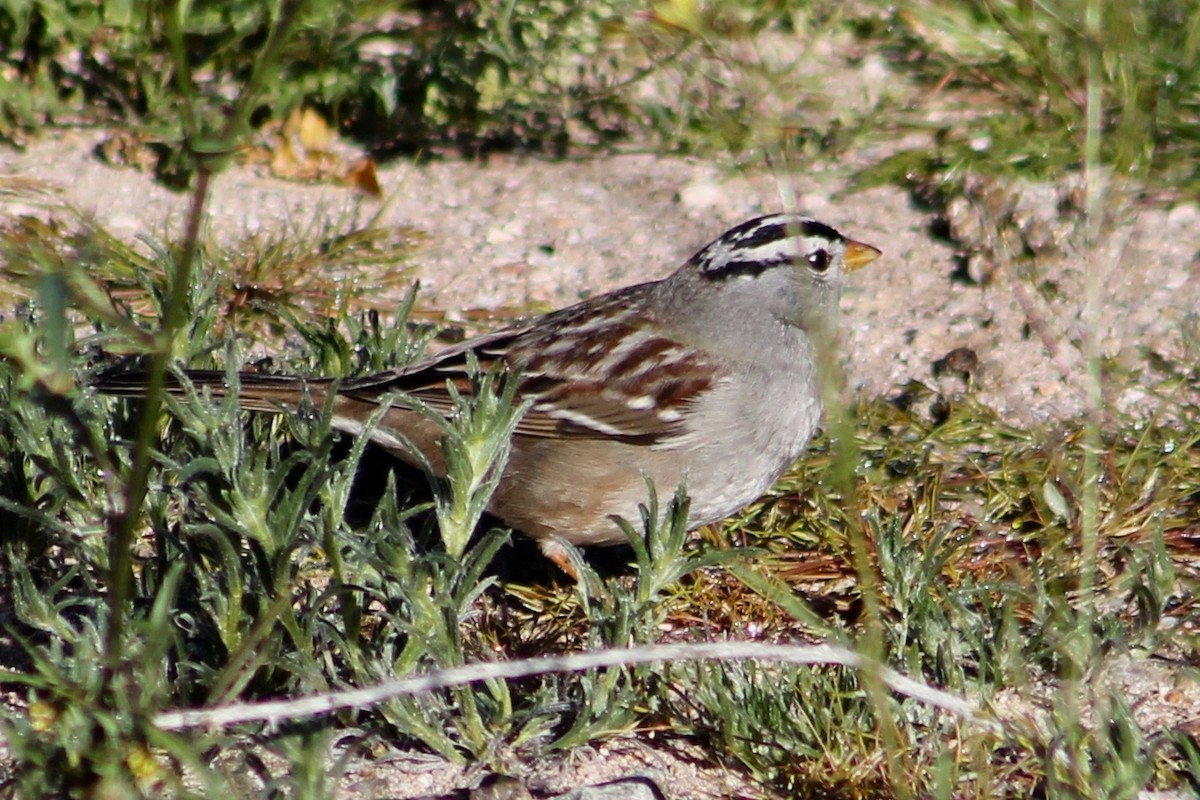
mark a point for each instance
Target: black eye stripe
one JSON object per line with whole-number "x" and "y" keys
{"x": 744, "y": 266}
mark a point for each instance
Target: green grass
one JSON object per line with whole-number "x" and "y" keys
{"x": 202, "y": 556}
{"x": 442, "y": 75}
{"x": 1020, "y": 79}
{"x": 1010, "y": 79}
{"x": 252, "y": 576}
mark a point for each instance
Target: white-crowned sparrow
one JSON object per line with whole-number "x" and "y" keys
{"x": 709, "y": 374}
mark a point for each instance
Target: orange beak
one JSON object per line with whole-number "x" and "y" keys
{"x": 858, "y": 255}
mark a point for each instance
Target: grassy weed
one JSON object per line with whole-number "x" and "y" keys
{"x": 255, "y": 577}
{"x": 1009, "y": 80}
{"x": 180, "y": 553}
{"x": 544, "y": 76}
{"x": 1020, "y": 75}
{"x": 441, "y": 73}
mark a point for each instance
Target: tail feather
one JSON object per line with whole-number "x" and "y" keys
{"x": 257, "y": 392}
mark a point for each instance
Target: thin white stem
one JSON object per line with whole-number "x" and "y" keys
{"x": 274, "y": 712}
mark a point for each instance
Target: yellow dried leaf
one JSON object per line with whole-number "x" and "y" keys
{"x": 315, "y": 133}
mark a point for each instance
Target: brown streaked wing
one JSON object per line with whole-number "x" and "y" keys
{"x": 626, "y": 403}
{"x": 577, "y": 388}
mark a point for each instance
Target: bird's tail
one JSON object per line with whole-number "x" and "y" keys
{"x": 256, "y": 392}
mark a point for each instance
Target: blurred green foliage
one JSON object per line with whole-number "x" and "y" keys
{"x": 1018, "y": 78}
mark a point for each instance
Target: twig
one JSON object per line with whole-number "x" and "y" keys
{"x": 274, "y": 712}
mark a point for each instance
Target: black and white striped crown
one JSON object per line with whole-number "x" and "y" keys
{"x": 759, "y": 244}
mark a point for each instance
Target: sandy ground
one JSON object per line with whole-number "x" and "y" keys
{"x": 512, "y": 231}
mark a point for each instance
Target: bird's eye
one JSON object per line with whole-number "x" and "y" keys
{"x": 819, "y": 260}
